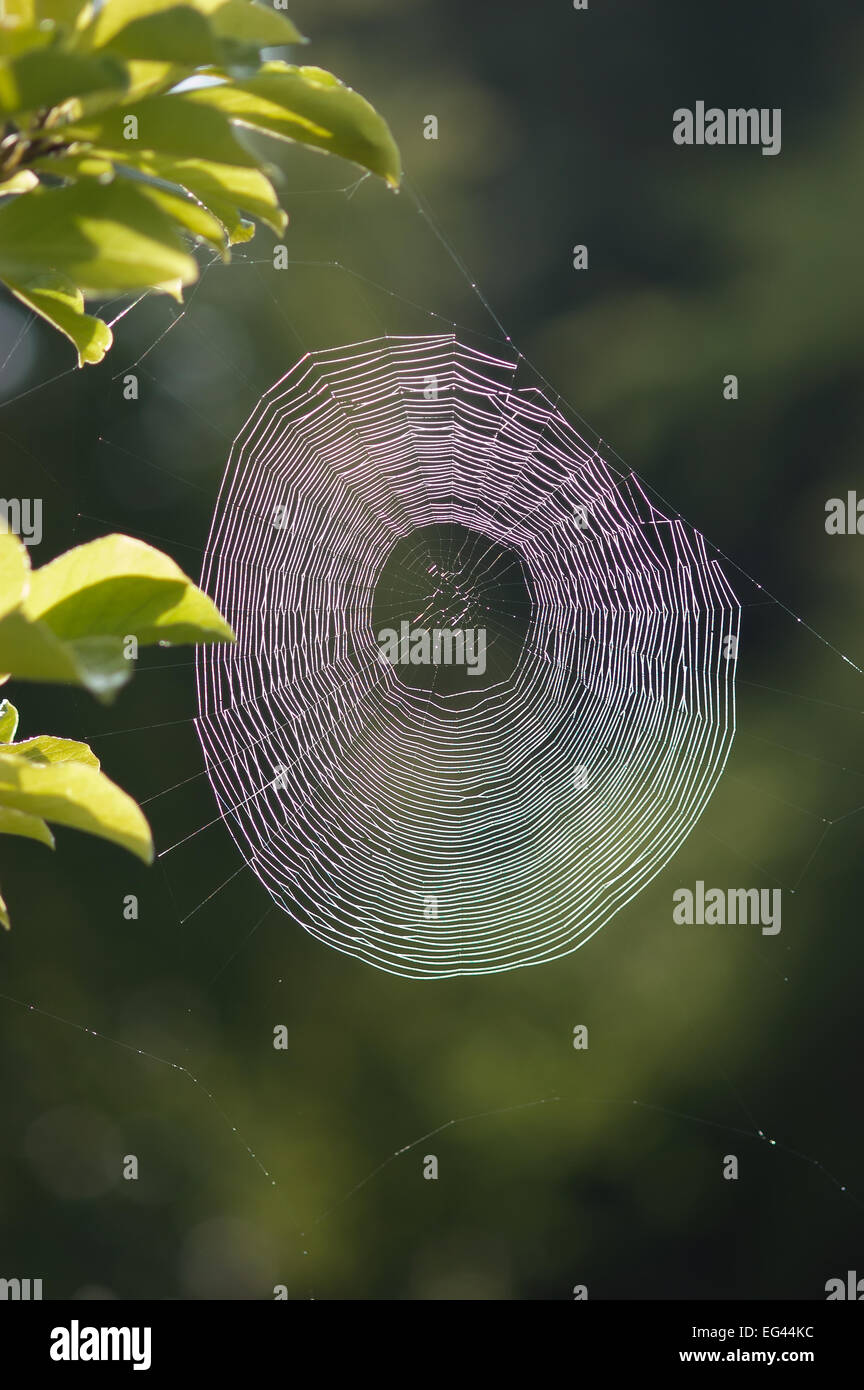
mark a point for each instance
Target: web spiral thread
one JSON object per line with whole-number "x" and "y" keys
{"x": 435, "y": 833}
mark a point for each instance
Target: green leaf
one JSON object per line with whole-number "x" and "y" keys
{"x": 225, "y": 189}
{"x": 47, "y": 749}
{"x": 173, "y": 124}
{"x": 61, "y": 303}
{"x": 32, "y": 652}
{"x": 239, "y": 20}
{"x": 102, "y": 238}
{"x": 250, "y": 23}
{"x": 310, "y": 106}
{"x": 49, "y": 76}
{"x": 8, "y": 721}
{"x": 30, "y": 827}
{"x": 116, "y": 15}
{"x": 118, "y": 586}
{"x": 68, "y": 13}
{"x": 177, "y": 34}
{"x": 41, "y": 750}
{"x": 191, "y": 215}
{"x": 76, "y": 795}
{"x": 4, "y": 913}
{"x": 19, "y": 34}
{"x": 68, "y": 165}
{"x": 147, "y": 79}
{"x": 70, "y": 625}
{"x": 26, "y": 26}
{"x": 14, "y": 572}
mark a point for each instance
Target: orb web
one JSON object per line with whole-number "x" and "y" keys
{"x": 439, "y": 825}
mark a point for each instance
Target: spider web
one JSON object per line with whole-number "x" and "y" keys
{"x": 515, "y": 819}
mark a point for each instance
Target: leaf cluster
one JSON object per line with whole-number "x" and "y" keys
{"x": 80, "y": 621}
{"x": 124, "y": 144}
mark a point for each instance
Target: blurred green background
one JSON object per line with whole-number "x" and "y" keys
{"x": 554, "y": 129}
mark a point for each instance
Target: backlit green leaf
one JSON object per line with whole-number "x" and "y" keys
{"x": 310, "y": 106}
{"x": 189, "y": 214}
{"x": 75, "y": 795}
{"x": 179, "y": 34}
{"x": 226, "y": 189}
{"x": 61, "y": 303}
{"x": 68, "y": 13}
{"x": 116, "y": 15}
{"x": 30, "y": 827}
{"x": 18, "y": 36}
{"x": 81, "y": 164}
{"x": 49, "y": 76}
{"x": 102, "y": 238}
{"x": 34, "y": 653}
{"x": 148, "y": 79}
{"x": 26, "y": 25}
{"x": 8, "y": 721}
{"x": 251, "y": 23}
{"x": 47, "y": 749}
{"x": 172, "y": 124}
{"x": 14, "y": 572}
{"x": 120, "y": 586}
{"x": 71, "y": 624}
